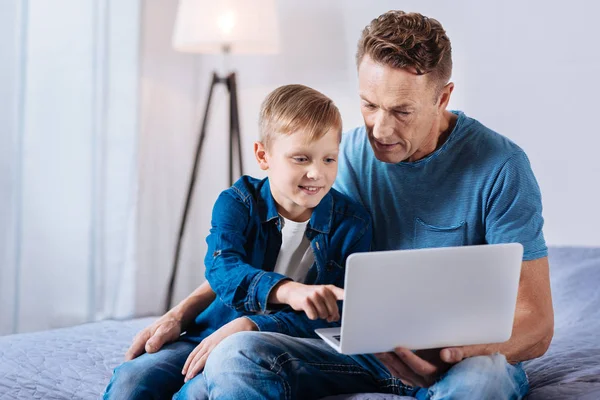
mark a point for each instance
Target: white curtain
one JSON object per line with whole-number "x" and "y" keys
{"x": 68, "y": 161}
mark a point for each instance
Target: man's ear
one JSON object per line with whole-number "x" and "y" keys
{"x": 444, "y": 98}
{"x": 261, "y": 156}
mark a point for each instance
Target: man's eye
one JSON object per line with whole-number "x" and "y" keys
{"x": 403, "y": 113}
{"x": 370, "y": 106}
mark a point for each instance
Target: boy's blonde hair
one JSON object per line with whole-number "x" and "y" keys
{"x": 290, "y": 108}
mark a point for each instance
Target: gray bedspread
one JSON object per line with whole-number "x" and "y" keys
{"x": 76, "y": 363}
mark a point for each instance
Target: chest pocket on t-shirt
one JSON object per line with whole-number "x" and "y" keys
{"x": 427, "y": 235}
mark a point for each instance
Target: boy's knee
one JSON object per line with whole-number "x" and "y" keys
{"x": 245, "y": 345}
{"x": 242, "y": 350}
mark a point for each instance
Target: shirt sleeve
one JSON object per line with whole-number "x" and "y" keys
{"x": 347, "y": 180}
{"x": 514, "y": 208}
{"x": 296, "y": 323}
{"x": 238, "y": 284}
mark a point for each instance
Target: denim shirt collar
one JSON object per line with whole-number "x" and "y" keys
{"x": 320, "y": 220}
{"x": 267, "y": 206}
{"x": 322, "y": 215}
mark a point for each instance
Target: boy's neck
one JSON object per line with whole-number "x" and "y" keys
{"x": 295, "y": 215}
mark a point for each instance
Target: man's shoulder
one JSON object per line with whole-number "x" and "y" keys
{"x": 354, "y": 139}
{"x": 483, "y": 142}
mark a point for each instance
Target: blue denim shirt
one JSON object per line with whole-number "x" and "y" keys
{"x": 243, "y": 246}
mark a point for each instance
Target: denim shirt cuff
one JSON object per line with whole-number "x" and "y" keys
{"x": 260, "y": 288}
{"x": 267, "y": 323}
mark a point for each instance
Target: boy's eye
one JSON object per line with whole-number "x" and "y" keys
{"x": 329, "y": 160}
{"x": 300, "y": 159}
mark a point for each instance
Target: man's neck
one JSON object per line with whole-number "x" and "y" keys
{"x": 447, "y": 124}
{"x": 438, "y": 137}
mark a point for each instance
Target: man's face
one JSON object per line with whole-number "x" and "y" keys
{"x": 401, "y": 111}
{"x": 300, "y": 172}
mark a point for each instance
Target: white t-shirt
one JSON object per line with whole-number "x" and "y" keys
{"x": 295, "y": 256}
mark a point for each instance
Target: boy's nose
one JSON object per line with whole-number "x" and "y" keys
{"x": 314, "y": 173}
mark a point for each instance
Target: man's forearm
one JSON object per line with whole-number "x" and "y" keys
{"x": 530, "y": 339}
{"x": 533, "y": 326}
{"x": 192, "y": 305}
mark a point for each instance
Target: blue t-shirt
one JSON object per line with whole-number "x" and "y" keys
{"x": 477, "y": 188}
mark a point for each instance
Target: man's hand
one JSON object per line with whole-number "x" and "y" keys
{"x": 317, "y": 301}
{"x": 166, "y": 329}
{"x": 532, "y": 332}
{"x": 197, "y": 358}
{"x": 423, "y": 367}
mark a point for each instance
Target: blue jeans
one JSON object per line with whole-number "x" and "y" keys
{"x": 157, "y": 376}
{"x": 257, "y": 365}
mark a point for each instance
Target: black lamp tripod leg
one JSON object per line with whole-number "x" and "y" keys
{"x": 236, "y": 123}
{"x": 169, "y": 298}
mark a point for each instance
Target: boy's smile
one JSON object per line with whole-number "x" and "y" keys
{"x": 310, "y": 190}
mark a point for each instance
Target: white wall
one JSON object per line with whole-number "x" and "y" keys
{"x": 526, "y": 69}
{"x": 75, "y": 242}
{"x": 68, "y": 117}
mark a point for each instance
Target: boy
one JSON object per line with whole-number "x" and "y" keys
{"x": 276, "y": 248}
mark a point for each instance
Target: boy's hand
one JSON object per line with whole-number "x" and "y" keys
{"x": 197, "y": 358}
{"x": 317, "y": 301}
{"x": 166, "y": 329}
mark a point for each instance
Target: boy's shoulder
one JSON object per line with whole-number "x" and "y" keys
{"x": 248, "y": 188}
{"x": 254, "y": 194}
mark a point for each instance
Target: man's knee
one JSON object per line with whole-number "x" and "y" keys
{"x": 126, "y": 381}
{"x": 193, "y": 389}
{"x": 489, "y": 377}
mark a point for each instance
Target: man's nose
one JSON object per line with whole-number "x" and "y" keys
{"x": 383, "y": 126}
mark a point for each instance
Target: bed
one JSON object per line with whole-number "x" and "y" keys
{"x": 77, "y": 362}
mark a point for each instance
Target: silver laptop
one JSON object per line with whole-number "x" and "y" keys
{"x": 427, "y": 298}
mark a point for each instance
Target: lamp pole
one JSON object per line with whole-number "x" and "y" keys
{"x": 235, "y": 146}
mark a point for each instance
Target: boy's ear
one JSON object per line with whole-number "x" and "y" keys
{"x": 261, "y": 155}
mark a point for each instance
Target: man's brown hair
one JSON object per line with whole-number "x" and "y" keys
{"x": 408, "y": 40}
{"x": 290, "y": 108}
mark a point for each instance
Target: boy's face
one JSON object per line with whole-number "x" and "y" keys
{"x": 300, "y": 172}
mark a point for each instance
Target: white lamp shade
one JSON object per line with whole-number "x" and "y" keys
{"x": 241, "y": 26}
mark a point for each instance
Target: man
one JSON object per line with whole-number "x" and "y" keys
{"x": 429, "y": 178}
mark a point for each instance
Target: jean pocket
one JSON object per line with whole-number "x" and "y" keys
{"x": 427, "y": 235}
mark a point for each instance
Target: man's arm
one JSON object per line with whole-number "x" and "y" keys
{"x": 168, "y": 327}
{"x": 534, "y": 319}
{"x": 189, "y": 308}
{"x": 532, "y": 333}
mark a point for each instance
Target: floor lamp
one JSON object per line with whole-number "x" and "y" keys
{"x": 223, "y": 26}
